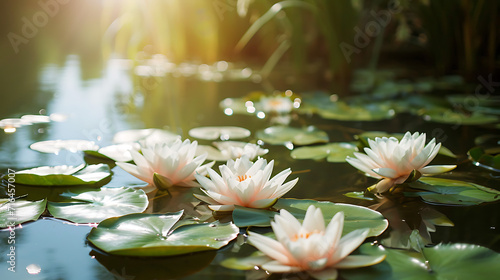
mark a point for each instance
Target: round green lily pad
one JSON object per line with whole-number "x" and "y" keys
{"x": 20, "y": 211}
{"x": 159, "y": 235}
{"x": 95, "y": 206}
{"x": 219, "y": 132}
{"x": 279, "y": 135}
{"x": 453, "y": 192}
{"x": 54, "y": 146}
{"x": 356, "y": 217}
{"x": 333, "y": 152}
{"x": 63, "y": 175}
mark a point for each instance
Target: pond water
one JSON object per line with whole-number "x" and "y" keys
{"x": 93, "y": 99}
{"x": 97, "y": 107}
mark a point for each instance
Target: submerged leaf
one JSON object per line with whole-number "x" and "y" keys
{"x": 157, "y": 235}
{"x": 95, "y": 206}
{"x": 20, "y": 211}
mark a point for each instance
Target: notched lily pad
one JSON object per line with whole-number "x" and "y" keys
{"x": 333, "y": 152}
{"x": 159, "y": 235}
{"x": 486, "y": 158}
{"x": 118, "y": 152}
{"x": 219, "y": 132}
{"x": 63, "y": 175}
{"x": 356, "y": 217}
{"x": 95, "y": 206}
{"x": 147, "y": 134}
{"x": 443, "y": 261}
{"x": 279, "y": 135}
{"x": 453, "y": 192}
{"x": 20, "y": 211}
{"x": 54, "y": 146}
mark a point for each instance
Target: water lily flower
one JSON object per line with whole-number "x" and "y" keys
{"x": 311, "y": 246}
{"x": 244, "y": 183}
{"x": 278, "y": 104}
{"x": 174, "y": 161}
{"x": 393, "y": 161}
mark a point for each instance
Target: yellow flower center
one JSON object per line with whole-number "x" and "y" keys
{"x": 303, "y": 235}
{"x": 242, "y": 178}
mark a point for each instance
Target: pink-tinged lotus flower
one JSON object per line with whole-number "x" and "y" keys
{"x": 175, "y": 161}
{"x": 393, "y": 161}
{"x": 278, "y": 104}
{"x": 311, "y": 246}
{"x": 244, "y": 183}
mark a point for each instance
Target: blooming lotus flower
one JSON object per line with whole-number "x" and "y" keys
{"x": 278, "y": 104}
{"x": 244, "y": 183}
{"x": 175, "y": 161}
{"x": 311, "y": 246}
{"x": 394, "y": 161}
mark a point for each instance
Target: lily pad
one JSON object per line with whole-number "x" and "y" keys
{"x": 54, "y": 146}
{"x": 159, "y": 235}
{"x": 443, "y": 261}
{"x": 453, "y": 192}
{"x": 95, "y": 206}
{"x": 219, "y": 132}
{"x": 486, "y": 158}
{"x": 356, "y": 217}
{"x": 333, "y": 152}
{"x": 20, "y": 211}
{"x": 449, "y": 116}
{"x": 63, "y": 175}
{"x": 134, "y": 135}
{"x": 279, "y": 135}
{"x": 118, "y": 152}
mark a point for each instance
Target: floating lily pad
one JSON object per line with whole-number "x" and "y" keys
{"x": 453, "y": 192}
{"x": 95, "y": 206}
{"x": 356, "y": 217}
{"x": 226, "y": 150}
{"x": 486, "y": 158}
{"x": 118, "y": 152}
{"x": 134, "y": 135}
{"x": 20, "y": 211}
{"x": 449, "y": 116}
{"x": 63, "y": 175}
{"x": 159, "y": 235}
{"x": 54, "y": 146}
{"x": 278, "y": 135}
{"x": 219, "y": 132}
{"x": 36, "y": 118}
{"x": 236, "y": 105}
{"x": 333, "y": 152}
{"x": 443, "y": 261}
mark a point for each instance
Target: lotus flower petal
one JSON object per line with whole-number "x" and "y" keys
{"x": 173, "y": 160}
{"x": 393, "y": 161}
{"x": 245, "y": 183}
{"x": 311, "y": 246}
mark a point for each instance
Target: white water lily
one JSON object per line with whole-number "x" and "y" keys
{"x": 174, "y": 161}
{"x": 393, "y": 161}
{"x": 311, "y": 246}
{"x": 244, "y": 183}
{"x": 278, "y": 104}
